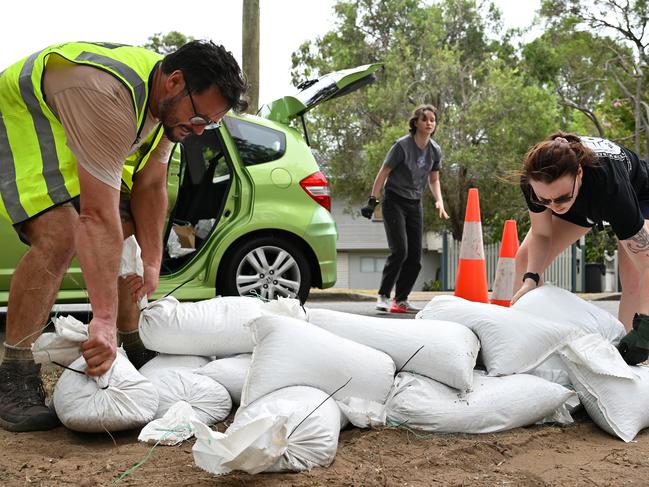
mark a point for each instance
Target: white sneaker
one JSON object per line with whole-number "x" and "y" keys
{"x": 383, "y": 303}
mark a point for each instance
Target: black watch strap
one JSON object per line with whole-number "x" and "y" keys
{"x": 532, "y": 275}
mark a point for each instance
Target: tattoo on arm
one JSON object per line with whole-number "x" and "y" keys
{"x": 639, "y": 242}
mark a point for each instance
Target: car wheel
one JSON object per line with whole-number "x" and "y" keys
{"x": 267, "y": 267}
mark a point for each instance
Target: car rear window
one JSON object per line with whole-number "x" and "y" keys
{"x": 256, "y": 144}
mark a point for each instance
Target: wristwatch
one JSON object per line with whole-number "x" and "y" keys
{"x": 532, "y": 275}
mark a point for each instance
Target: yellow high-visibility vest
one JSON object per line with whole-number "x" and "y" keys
{"x": 136, "y": 161}
{"x": 37, "y": 168}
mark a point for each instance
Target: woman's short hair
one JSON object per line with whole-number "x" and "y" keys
{"x": 416, "y": 115}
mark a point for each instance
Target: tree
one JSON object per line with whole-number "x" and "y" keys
{"x": 442, "y": 54}
{"x": 167, "y": 43}
{"x": 574, "y": 64}
{"x": 626, "y": 22}
{"x": 250, "y": 49}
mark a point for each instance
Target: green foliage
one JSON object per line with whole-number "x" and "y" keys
{"x": 496, "y": 99}
{"x": 167, "y": 43}
{"x": 605, "y": 47}
{"x": 598, "y": 242}
{"x": 451, "y": 54}
{"x": 432, "y": 285}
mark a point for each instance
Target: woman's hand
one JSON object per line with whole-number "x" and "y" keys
{"x": 527, "y": 286}
{"x": 440, "y": 209}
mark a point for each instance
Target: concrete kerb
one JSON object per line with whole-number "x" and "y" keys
{"x": 343, "y": 294}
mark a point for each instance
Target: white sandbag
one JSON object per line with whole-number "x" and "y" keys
{"x": 552, "y": 369}
{"x": 495, "y": 404}
{"x": 209, "y": 399}
{"x": 62, "y": 346}
{"x": 363, "y": 413}
{"x": 290, "y": 352}
{"x": 230, "y": 372}
{"x": 253, "y": 448}
{"x": 131, "y": 264}
{"x": 168, "y": 361}
{"x": 442, "y": 350}
{"x": 614, "y": 394}
{"x": 214, "y": 327}
{"x": 557, "y": 304}
{"x": 282, "y": 306}
{"x": 119, "y": 400}
{"x": 511, "y": 341}
{"x": 131, "y": 261}
{"x": 172, "y": 428}
{"x": 312, "y": 427}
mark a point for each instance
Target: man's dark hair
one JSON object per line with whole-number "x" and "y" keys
{"x": 204, "y": 64}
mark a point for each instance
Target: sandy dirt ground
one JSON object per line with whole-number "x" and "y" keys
{"x": 541, "y": 455}
{"x": 575, "y": 455}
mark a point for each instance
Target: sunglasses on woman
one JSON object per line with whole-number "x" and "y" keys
{"x": 561, "y": 200}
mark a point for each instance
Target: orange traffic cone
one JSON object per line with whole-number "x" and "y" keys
{"x": 471, "y": 281}
{"x": 506, "y": 269}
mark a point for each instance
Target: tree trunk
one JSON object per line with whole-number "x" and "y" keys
{"x": 250, "y": 50}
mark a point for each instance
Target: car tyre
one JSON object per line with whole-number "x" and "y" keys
{"x": 268, "y": 267}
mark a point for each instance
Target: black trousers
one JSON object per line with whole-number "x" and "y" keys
{"x": 403, "y": 222}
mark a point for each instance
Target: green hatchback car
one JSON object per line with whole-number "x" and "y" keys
{"x": 249, "y": 207}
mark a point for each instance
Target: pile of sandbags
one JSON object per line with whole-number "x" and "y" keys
{"x": 300, "y": 375}
{"x": 552, "y": 334}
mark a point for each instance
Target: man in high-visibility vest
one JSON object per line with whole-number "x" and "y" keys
{"x": 70, "y": 116}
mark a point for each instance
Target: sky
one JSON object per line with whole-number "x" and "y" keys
{"x": 28, "y": 26}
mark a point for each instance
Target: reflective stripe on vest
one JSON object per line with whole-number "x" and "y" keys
{"x": 37, "y": 168}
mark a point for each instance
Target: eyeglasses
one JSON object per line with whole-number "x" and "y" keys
{"x": 557, "y": 201}
{"x": 199, "y": 120}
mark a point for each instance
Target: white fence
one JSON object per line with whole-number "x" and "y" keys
{"x": 559, "y": 273}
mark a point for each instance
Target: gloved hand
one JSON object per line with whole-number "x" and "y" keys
{"x": 634, "y": 347}
{"x": 368, "y": 210}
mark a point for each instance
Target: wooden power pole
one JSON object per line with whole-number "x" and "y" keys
{"x": 250, "y": 49}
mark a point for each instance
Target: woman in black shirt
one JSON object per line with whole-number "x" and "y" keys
{"x": 573, "y": 183}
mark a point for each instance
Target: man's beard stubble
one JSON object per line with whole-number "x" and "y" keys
{"x": 165, "y": 108}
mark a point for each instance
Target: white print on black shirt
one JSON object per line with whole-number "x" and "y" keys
{"x": 606, "y": 148}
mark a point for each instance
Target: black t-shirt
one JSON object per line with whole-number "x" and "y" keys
{"x": 610, "y": 190}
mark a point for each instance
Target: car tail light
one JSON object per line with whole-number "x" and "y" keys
{"x": 317, "y": 187}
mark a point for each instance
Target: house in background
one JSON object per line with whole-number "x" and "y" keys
{"x": 363, "y": 248}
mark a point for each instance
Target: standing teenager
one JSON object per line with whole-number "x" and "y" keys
{"x": 413, "y": 161}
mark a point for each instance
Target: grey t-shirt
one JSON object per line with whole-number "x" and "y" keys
{"x": 410, "y": 166}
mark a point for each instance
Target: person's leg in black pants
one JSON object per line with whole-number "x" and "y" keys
{"x": 394, "y": 221}
{"x": 412, "y": 264}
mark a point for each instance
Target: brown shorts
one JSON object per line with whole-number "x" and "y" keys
{"x": 124, "y": 213}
